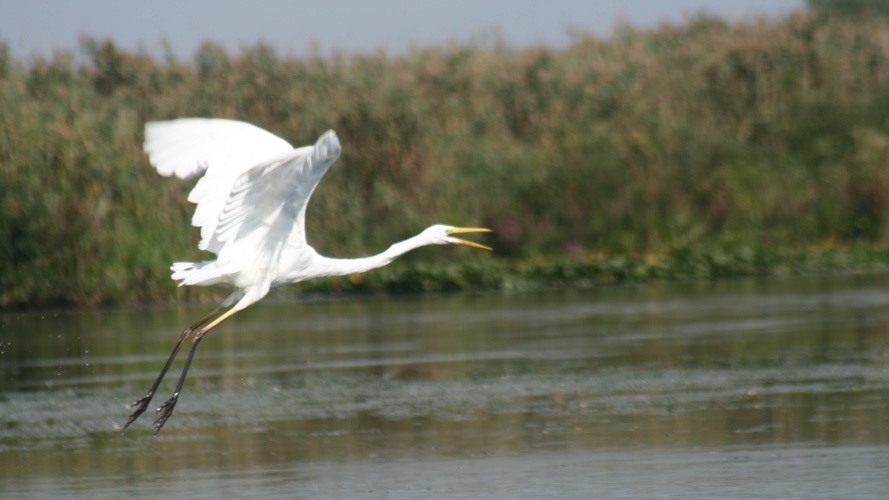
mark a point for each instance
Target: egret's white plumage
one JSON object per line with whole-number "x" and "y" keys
{"x": 251, "y": 205}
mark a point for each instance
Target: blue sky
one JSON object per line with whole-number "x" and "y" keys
{"x": 36, "y": 27}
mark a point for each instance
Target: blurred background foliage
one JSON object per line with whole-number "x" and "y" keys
{"x": 708, "y": 144}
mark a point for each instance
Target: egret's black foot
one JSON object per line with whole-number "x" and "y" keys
{"x": 140, "y": 407}
{"x": 164, "y": 412}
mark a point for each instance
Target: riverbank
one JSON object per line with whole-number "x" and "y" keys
{"x": 479, "y": 273}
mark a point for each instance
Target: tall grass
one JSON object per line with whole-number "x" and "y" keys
{"x": 764, "y": 135}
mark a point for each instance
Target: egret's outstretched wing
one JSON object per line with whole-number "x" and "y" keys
{"x": 225, "y": 149}
{"x": 265, "y": 209}
{"x": 189, "y": 146}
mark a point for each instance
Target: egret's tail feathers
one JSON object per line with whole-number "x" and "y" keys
{"x": 195, "y": 273}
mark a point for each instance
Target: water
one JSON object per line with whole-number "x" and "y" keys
{"x": 773, "y": 388}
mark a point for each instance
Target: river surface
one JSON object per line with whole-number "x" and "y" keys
{"x": 766, "y": 388}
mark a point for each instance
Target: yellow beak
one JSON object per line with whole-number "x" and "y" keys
{"x": 462, "y": 230}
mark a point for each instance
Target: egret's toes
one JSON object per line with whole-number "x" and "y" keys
{"x": 164, "y": 412}
{"x": 140, "y": 406}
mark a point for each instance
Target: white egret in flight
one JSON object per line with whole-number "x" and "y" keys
{"x": 251, "y": 208}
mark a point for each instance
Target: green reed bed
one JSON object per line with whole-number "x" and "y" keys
{"x": 698, "y": 150}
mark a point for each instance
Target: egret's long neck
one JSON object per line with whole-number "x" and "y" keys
{"x": 341, "y": 267}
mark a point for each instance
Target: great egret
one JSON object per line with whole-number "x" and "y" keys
{"x": 251, "y": 208}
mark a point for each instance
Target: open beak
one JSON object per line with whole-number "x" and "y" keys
{"x": 462, "y": 230}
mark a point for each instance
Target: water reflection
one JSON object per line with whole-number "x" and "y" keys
{"x": 657, "y": 378}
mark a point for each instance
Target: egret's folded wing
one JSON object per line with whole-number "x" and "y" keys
{"x": 224, "y": 149}
{"x": 266, "y": 206}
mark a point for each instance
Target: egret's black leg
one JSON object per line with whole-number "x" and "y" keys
{"x": 141, "y": 404}
{"x": 166, "y": 409}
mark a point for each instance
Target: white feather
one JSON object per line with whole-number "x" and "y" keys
{"x": 224, "y": 149}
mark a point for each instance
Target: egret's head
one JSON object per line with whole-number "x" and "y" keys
{"x": 441, "y": 234}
